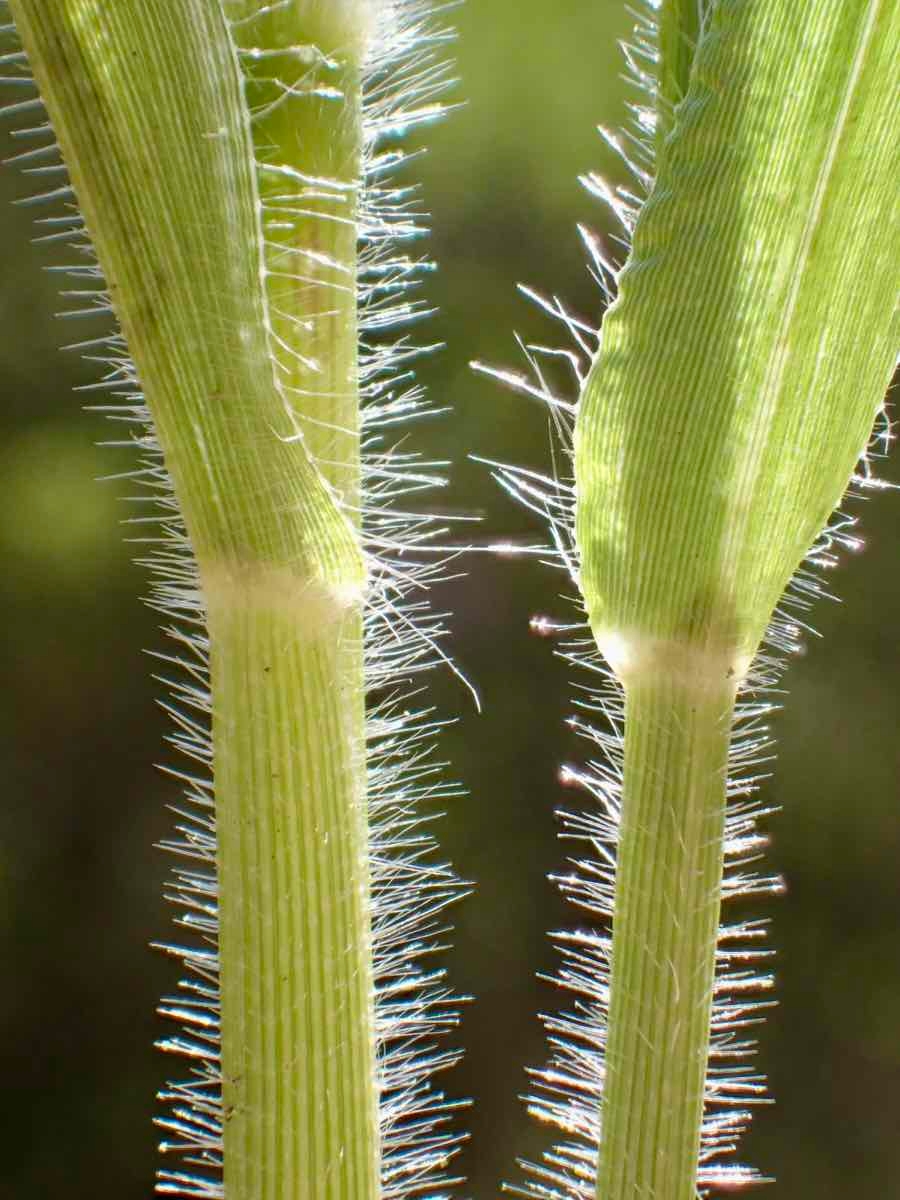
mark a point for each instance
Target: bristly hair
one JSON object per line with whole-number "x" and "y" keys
{"x": 405, "y": 76}
{"x": 567, "y": 1093}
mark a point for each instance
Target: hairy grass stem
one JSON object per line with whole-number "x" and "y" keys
{"x": 224, "y": 171}
{"x": 230, "y": 167}
{"x": 723, "y": 407}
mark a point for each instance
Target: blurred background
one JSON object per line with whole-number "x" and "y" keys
{"x": 81, "y": 804}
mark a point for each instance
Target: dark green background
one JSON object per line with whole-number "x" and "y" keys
{"x": 82, "y": 805}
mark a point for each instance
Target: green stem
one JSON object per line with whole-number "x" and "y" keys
{"x": 678, "y": 31}
{"x": 302, "y": 74}
{"x": 668, "y": 876}
{"x": 289, "y": 718}
{"x": 243, "y": 332}
{"x": 741, "y": 369}
{"x": 297, "y": 1031}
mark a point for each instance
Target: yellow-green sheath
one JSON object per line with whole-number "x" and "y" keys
{"x": 302, "y": 66}
{"x": 754, "y": 334}
{"x": 148, "y": 102}
{"x": 740, "y": 372}
{"x": 678, "y": 31}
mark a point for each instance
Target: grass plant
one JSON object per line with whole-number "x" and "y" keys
{"x": 232, "y": 164}
{"x": 225, "y": 171}
{"x": 724, "y": 404}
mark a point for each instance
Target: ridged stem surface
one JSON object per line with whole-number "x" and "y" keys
{"x": 244, "y": 338}
{"x": 741, "y": 369}
{"x": 678, "y": 25}
{"x": 669, "y": 871}
{"x": 298, "y": 1065}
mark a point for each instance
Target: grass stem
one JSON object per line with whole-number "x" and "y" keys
{"x": 298, "y": 1048}
{"x": 669, "y": 870}
{"x": 241, "y": 322}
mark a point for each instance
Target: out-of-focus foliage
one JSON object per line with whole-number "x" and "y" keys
{"x": 81, "y": 805}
